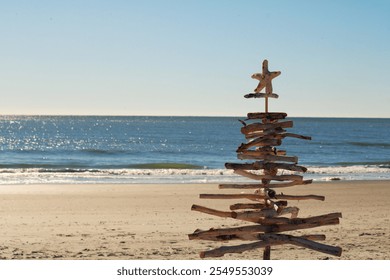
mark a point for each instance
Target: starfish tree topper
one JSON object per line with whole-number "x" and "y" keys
{"x": 265, "y": 79}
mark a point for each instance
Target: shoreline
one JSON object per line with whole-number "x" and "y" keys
{"x": 342, "y": 181}
{"x": 166, "y": 174}
{"x": 151, "y": 221}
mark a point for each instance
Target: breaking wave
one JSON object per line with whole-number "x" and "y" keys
{"x": 174, "y": 173}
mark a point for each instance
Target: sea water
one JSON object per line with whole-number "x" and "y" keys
{"x": 107, "y": 149}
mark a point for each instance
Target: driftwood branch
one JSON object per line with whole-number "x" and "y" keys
{"x": 265, "y": 150}
{"x": 297, "y": 221}
{"x": 259, "y": 236}
{"x": 261, "y": 196}
{"x": 211, "y": 233}
{"x": 258, "y": 216}
{"x": 302, "y": 242}
{"x": 283, "y": 135}
{"x": 264, "y": 133}
{"x": 268, "y": 116}
{"x": 259, "y": 155}
{"x": 255, "y": 127}
{"x": 261, "y": 95}
{"x": 268, "y": 150}
{"x": 259, "y": 142}
{"x": 258, "y": 165}
{"x": 250, "y": 216}
{"x": 239, "y": 206}
{"x": 268, "y": 177}
{"x": 273, "y": 139}
{"x": 319, "y": 218}
{"x": 291, "y": 224}
{"x": 257, "y": 186}
{"x": 272, "y": 240}
{"x": 269, "y": 216}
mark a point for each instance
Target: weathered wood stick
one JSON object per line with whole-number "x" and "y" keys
{"x": 254, "y": 197}
{"x": 256, "y": 186}
{"x": 259, "y": 236}
{"x": 278, "y": 152}
{"x": 299, "y": 197}
{"x": 255, "y": 155}
{"x": 264, "y": 133}
{"x": 258, "y": 216}
{"x": 276, "y": 221}
{"x": 199, "y": 234}
{"x": 261, "y": 95}
{"x": 275, "y": 165}
{"x": 268, "y": 177}
{"x": 212, "y": 234}
{"x": 293, "y": 183}
{"x": 298, "y": 241}
{"x": 272, "y": 240}
{"x": 316, "y": 219}
{"x": 259, "y": 142}
{"x": 265, "y": 165}
{"x": 267, "y": 253}
{"x": 268, "y": 116}
{"x": 255, "y": 127}
{"x": 243, "y": 166}
{"x": 288, "y": 227}
{"x": 250, "y": 216}
{"x": 239, "y": 206}
{"x": 297, "y": 221}
{"x": 269, "y": 140}
{"x": 266, "y": 150}
{"x": 282, "y": 136}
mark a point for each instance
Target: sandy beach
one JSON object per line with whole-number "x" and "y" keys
{"x": 152, "y": 221}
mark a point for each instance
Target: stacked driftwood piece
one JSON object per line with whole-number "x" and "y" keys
{"x": 265, "y": 132}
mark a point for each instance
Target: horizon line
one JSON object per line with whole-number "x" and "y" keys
{"x": 193, "y": 116}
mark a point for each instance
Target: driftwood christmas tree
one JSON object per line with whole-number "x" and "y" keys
{"x": 268, "y": 208}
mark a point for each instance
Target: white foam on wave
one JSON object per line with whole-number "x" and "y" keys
{"x": 346, "y": 169}
{"x": 39, "y": 176}
{"x": 355, "y": 172}
{"x": 82, "y": 176}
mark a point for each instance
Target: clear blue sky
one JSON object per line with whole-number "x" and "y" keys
{"x": 194, "y": 57}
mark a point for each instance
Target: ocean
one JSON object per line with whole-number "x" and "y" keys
{"x": 130, "y": 149}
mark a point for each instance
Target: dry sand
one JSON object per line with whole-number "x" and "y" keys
{"x": 152, "y": 221}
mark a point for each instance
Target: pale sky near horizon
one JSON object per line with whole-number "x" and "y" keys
{"x": 194, "y": 57}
